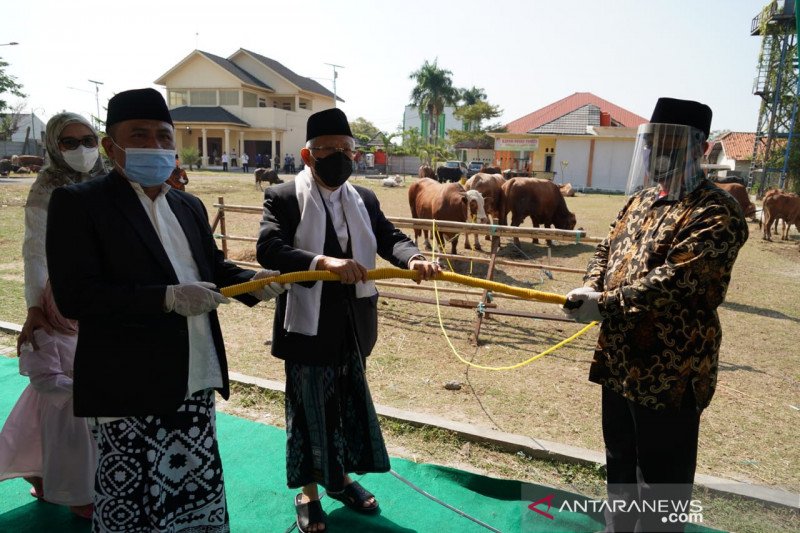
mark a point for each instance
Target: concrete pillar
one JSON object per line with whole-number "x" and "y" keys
{"x": 296, "y": 102}
{"x": 227, "y": 146}
{"x": 275, "y": 162}
{"x": 240, "y": 150}
{"x": 205, "y": 148}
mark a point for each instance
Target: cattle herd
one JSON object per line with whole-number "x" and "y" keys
{"x": 541, "y": 200}
{"x": 491, "y": 198}
{"x": 21, "y": 164}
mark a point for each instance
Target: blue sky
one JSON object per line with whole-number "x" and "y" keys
{"x": 524, "y": 54}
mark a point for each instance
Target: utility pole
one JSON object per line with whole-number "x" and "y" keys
{"x": 335, "y": 75}
{"x": 97, "y": 85}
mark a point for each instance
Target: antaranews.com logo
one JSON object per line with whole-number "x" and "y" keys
{"x": 670, "y": 511}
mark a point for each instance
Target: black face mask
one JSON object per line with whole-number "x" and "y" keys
{"x": 334, "y": 169}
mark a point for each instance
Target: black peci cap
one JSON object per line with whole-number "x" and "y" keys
{"x": 137, "y": 104}
{"x": 685, "y": 112}
{"x": 329, "y": 122}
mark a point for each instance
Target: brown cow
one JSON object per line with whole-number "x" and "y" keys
{"x": 426, "y": 171}
{"x": 430, "y": 199}
{"x": 567, "y": 190}
{"x": 28, "y": 160}
{"x": 490, "y": 170}
{"x": 491, "y": 188}
{"x": 539, "y": 199}
{"x": 777, "y": 206}
{"x": 738, "y": 191}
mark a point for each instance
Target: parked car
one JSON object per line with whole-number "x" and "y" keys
{"x": 474, "y": 167}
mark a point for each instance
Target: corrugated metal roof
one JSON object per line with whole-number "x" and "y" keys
{"x": 573, "y": 123}
{"x": 205, "y": 115}
{"x": 236, "y": 70}
{"x": 548, "y": 114}
{"x": 304, "y": 83}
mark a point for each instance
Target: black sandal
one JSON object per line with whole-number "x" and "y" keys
{"x": 309, "y": 513}
{"x": 354, "y": 496}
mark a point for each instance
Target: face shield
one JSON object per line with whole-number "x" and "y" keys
{"x": 667, "y": 156}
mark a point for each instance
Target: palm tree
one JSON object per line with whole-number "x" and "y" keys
{"x": 433, "y": 92}
{"x": 472, "y": 96}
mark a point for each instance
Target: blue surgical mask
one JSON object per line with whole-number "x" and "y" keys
{"x": 148, "y": 166}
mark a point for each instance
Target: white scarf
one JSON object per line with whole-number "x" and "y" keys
{"x": 302, "y": 304}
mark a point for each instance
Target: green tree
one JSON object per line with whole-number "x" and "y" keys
{"x": 473, "y": 115}
{"x": 8, "y": 84}
{"x": 434, "y": 91}
{"x": 362, "y": 126}
{"x": 472, "y": 96}
{"x": 190, "y": 156}
{"x": 9, "y": 122}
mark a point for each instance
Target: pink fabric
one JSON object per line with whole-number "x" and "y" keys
{"x": 41, "y": 437}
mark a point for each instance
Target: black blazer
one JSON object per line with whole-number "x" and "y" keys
{"x": 109, "y": 271}
{"x": 340, "y": 311}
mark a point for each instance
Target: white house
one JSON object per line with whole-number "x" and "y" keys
{"x": 734, "y": 150}
{"x": 581, "y": 139}
{"x": 446, "y": 121}
{"x": 245, "y": 102}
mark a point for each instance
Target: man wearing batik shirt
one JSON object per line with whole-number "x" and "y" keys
{"x": 655, "y": 282}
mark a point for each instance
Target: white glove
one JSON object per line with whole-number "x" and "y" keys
{"x": 190, "y": 299}
{"x": 267, "y": 292}
{"x": 588, "y": 310}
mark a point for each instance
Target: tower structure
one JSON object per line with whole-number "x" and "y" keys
{"x": 776, "y": 84}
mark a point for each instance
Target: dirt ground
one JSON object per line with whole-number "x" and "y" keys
{"x": 746, "y": 434}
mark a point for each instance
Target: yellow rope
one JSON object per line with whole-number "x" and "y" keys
{"x": 389, "y": 273}
{"x": 518, "y": 365}
{"x": 394, "y": 273}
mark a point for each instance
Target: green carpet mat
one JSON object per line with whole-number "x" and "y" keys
{"x": 258, "y": 500}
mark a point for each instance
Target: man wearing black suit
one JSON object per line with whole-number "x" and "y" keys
{"x": 325, "y": 330}
{"x": 134, "y": 261}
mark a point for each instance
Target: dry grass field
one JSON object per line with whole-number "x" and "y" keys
{"x": 749, "y": 432}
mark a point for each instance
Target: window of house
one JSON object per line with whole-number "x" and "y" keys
{"x": 203, "y": 97}
{"x": 249, "y": 99}
{"x": 287, "y": 106}
{"x": 178, "y": 98}
{"x": 303, "y": 105}
{"x": 229, "y": 98}
{"x": 262, "y": 102}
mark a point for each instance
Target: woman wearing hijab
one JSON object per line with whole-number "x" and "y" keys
{"x": 73, "y": 157}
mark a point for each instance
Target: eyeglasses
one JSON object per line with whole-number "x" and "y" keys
{"x": 325, "y": 151}
{"x": 71, "y": 143}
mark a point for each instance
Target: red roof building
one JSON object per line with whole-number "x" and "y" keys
{"x": 572, "y": 114}
{"x": 733, "y": 149}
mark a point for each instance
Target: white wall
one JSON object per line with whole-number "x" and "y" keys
{"x": 612, "y": 162}
{"x": 576, "y": 151}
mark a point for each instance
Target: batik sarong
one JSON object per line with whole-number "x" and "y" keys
{"x": 331, "y": 425}
{"x": 161, "y": 473}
